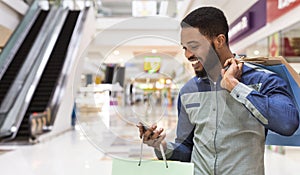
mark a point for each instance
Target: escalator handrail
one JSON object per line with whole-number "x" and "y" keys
{"x": 17, "y": 38}
{"x": 16, "y": 114}
{"x": 31, "y": 58}
{"x": 73, "y": 47}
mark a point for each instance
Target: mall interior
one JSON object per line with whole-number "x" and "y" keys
{"x": 77, "y": 76}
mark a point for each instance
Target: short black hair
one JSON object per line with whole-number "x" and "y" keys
{"x": 210, "y": 21}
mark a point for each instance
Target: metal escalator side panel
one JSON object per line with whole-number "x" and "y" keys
{"x": 19, "y": 58}
{"x": 17, "y": 38}
{"x": 56, "y": 98}
{"x": 54, "y": 72}
{"x": 16, "y": 113}
{"x": 29, "y": 61}
{"x": 50, "y": 75}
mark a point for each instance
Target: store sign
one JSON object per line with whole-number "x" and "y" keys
{"x": 277, "y": 8}
{"x": 152, "y": 64}
{"x": 241, "y": 26}
{"x": 284, "y": 3}
{"x": 249, "y": 22}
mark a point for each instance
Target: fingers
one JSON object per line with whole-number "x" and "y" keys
{"x": 150, "y": 132}
{"x": 230, "y": 61}
{"x": 152, "y": 136}
{"x": 141, "y": 129}
{"x": 157, "y": 133}
{"x": 232, "y": 64}
{"x": 226, "y": 63}
{"x": 240, "y": 65}
{"x": 232, "y": 74}
{"x": 155, "y": 142}
{"x": 223, "y": 72}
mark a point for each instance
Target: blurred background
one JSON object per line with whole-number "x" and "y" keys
{"x": 76, "y": 76}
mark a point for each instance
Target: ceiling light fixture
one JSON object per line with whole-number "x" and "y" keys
{"x": 116, "y": 52}
{"x": 154, "y": 51}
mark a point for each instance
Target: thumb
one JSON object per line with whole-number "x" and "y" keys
{"x": 223, "y": 72}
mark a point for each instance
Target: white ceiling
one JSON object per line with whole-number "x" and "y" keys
{"x": 117, "y": 30}
{"x": 232, "y": 8}
{"x": 123, "y": 8}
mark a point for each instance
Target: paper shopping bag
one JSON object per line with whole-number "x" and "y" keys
{"x": 285, "y": 71}
{"x": 153, "y": 167}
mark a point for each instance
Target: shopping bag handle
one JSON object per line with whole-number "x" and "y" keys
{"x": 161, "y": 150}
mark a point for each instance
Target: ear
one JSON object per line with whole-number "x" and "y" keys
{"x": 220, "y": 41}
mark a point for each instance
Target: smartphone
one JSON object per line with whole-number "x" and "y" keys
{"x": 226, "y": 68}
{"x": 146, "y": 127}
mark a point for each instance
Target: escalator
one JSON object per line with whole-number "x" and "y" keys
{"x": 52, "y": 72}
{"x": 35, "y": 71}
{"x": 14, "y": 67}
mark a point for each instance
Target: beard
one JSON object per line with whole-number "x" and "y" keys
{"x": 201, "y": 73}
{"x": 212, "y": 59}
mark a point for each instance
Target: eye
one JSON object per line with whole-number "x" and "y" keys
{"x": 194, "y": 47}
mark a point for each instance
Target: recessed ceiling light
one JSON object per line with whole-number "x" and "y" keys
{"x": 116, "y": 52}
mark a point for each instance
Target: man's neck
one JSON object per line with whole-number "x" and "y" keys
{"x": 225, "y": 56}
{"x": 215, "y": 72}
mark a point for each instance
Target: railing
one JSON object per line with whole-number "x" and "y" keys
{"x": 70, "y": 60}
{"x": 26, "y": 82}
{"x": 30, "y": 60}
{"x": 15, "y": 41}
{"x": 17, "y": 111}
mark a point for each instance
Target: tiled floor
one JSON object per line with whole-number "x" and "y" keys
{"x": 90, "y": 147}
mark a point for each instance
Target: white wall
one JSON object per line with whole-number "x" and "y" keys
{"x": 12, "y": 12}
{"x": 232, "y": 8}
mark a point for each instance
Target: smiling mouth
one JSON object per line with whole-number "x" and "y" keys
{"x": 194, "y": 62}
{"x": 196, "y": 65}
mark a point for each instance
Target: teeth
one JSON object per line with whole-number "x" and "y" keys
{"x": 194, "y": 62}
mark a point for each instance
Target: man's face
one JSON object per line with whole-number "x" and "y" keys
{"x": 199, "y": 50}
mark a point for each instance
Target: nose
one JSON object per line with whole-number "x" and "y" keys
{"x": 188, "y": 53}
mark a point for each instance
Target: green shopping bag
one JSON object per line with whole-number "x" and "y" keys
{"x": 154, "y": 167}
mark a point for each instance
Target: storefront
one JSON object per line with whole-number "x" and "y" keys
{"x": 283, "y": 42}
{"x": 270, "y": 28}
{"x": 248, "y": 23}
{"x": 279, "y": 36}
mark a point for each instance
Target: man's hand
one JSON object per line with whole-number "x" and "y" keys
{"x": 152, "y": 136}
{"x": 232, "y": 75}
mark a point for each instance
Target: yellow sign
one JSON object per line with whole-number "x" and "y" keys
{"x": 152, "y": 64}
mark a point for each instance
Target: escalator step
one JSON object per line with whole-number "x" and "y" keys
{"x": 52, "y": 71}
{"x": 19, "y": 58}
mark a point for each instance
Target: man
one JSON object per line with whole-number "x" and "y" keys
{"x": 225, "y": 111}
